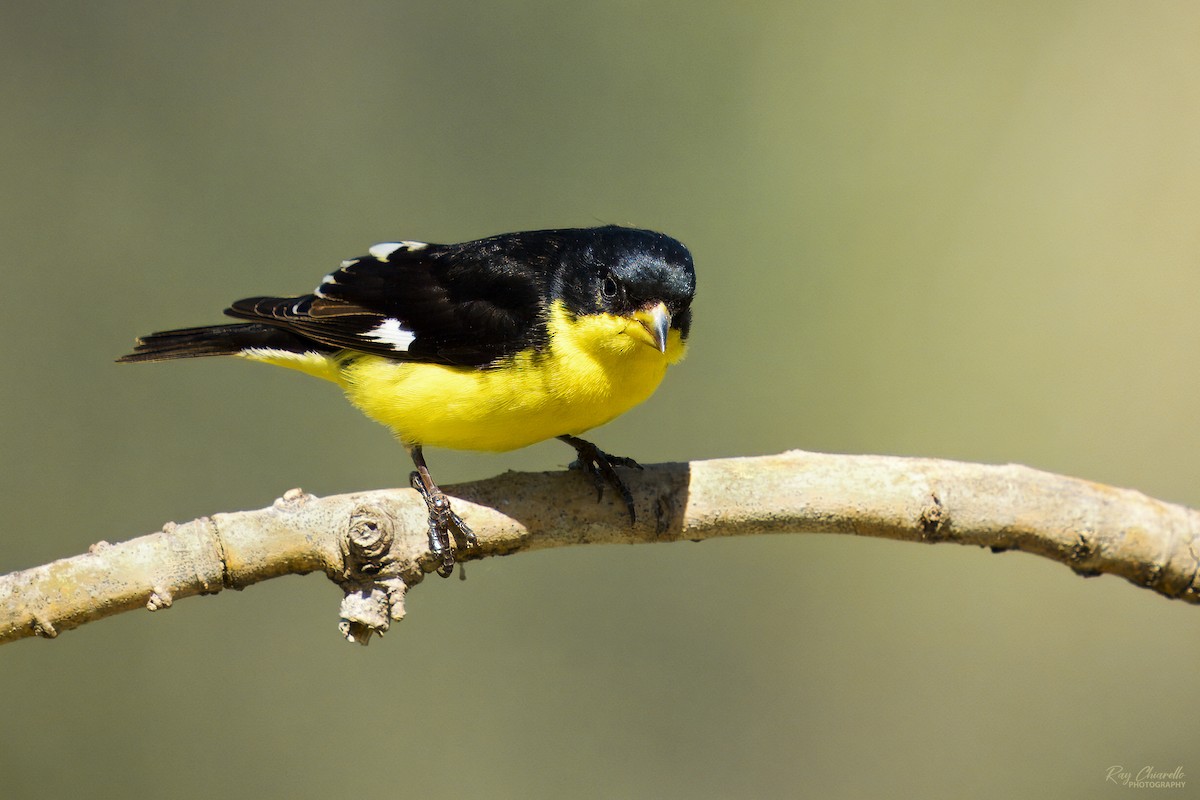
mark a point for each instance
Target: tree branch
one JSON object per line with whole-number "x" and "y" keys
{"x": 374, "y": 544}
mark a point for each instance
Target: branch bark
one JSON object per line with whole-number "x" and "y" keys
{"x": 374, "y": 545}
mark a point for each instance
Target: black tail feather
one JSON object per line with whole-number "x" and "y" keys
{"x": 216, "y": 340}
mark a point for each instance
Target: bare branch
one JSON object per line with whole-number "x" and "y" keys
{"x": 374, "y": 545}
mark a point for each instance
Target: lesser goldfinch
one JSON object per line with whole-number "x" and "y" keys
{"x": 492, "y": 344}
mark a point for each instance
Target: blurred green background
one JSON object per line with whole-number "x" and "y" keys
{"x": 960, "y": 230}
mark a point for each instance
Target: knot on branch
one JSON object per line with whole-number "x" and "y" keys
{"x": 370, "y": 575}
{"x": 293, "y": 498}
{"x": 933, "y": 519}
{"x": 160, "y": 598}
{"x": 368, "y": 539}
{"x": 43, "y": 627}
{"x": 1082, "y": 553}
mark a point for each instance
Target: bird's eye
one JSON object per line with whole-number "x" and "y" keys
{"x": 609, "y": 287}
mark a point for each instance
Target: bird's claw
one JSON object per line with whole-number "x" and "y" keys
{"x": 443, "y": 523}
{"x": 601, "y": 467}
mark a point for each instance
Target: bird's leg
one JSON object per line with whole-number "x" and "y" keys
{"x": 442, "y": 518}
{"x": 602, "y": 468}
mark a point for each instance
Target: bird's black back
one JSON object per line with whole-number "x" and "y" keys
{"x": 473, "y": 303}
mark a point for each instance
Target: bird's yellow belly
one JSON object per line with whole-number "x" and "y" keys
{"x": 592, "y": 372}
{"x": 535, "y": 397}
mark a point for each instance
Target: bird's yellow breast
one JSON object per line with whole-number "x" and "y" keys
{"x": 591, "y": 371}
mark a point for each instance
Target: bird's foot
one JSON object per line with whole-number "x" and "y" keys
{"x": 601, "y": 467}
{"x": 443, "y": 523}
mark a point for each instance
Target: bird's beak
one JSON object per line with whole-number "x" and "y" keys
{"x": 656, "y": 320}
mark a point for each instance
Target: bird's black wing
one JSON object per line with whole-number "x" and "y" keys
{"x": 463, "y": 304}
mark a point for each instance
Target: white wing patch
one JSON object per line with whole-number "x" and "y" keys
{"x": 390, "y": 333}
{"x": 384, "y": 250}
{"x": 329, "y": 280}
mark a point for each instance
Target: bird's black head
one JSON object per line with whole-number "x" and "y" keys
{"x": 624, "y": 271}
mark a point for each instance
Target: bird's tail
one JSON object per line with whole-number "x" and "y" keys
{"x": 214, "y": 340}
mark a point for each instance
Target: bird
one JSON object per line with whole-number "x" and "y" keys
{"x": 488, "y": 345}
